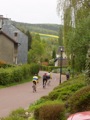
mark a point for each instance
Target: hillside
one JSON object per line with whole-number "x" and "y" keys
{"x": 52, "y": 29}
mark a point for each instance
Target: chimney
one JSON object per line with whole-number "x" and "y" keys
{"x": 1, "y": 21}
{"x": 15, "y": 36}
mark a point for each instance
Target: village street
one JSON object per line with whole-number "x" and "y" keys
{"x": 21, "y": 96}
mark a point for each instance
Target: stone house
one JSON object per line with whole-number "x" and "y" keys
{"x": 8, "y": 49}
{"x": 13, "y": 43}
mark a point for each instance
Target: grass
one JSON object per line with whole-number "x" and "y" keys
{"x": 48, "y": 35}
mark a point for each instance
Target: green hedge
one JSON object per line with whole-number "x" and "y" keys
{"x": 80, "y": 101}
{"x": 65, "y": 90}
{"x": 53, "y": 69}
{"x": 17, "y": 74}
{"x": 50, "y": 112}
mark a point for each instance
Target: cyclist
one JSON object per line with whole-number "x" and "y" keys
{"x": 34, "y": 85}
{"x": 35, "y": 77}
{"x": 44, "y": 80}
{"x": 49, "y": 78}
{"x": 35, "y": 81}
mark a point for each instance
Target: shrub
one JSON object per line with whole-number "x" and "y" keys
{"x": 50, "y": 112}
{"x": 19, "y": 114}
{"x": 65, "y": 90}
{"x": 34, "y": 68}
{"x": 17, "y": 73}
{"x": 26, "y": 71}
{"x": 5, "y": 77}
{"x": 80, "y": 101}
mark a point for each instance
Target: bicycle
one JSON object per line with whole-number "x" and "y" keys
{"x": 34, "y": 86}
{"x": 44, "y": 83}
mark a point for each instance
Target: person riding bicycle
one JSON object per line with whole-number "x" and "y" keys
{"x": 35, "y": 81}
{"x": 34, "y": 85}
{"x": 49, "y": 78}
{"x": 35, "y": 77}
{"x": 44, "y": 80}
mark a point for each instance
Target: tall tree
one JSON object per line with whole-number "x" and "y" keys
{"x": 29, "y": 40}
{"x": 54, "y": 54}
{"x": 60, "y": 39}
{"x": 37, "y": 50}
{"x": 76, "y": 19}
{"x": 88, "y": 67}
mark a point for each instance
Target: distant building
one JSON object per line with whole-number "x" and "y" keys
{"x": 58, "y": 55}
{"x": 13, "y": 43}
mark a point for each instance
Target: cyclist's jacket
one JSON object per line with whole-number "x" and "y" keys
{"x": 35, "y": 78}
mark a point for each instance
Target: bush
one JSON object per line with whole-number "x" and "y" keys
{"x": 5, "y": 76}
{"x": 19, "y": 114}
{"x": 80, "y": 101}
{"x": 17, "y": 74}
{"x": 50, "y": 112}
{"x": 65, "y": 90}
{"x": 34, "y": 68}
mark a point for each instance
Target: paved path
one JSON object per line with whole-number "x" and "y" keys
{"x": 12, "y": 98}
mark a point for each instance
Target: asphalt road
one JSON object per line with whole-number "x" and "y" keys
{"x": 21, "y": 96}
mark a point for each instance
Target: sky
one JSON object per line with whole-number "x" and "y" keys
{"x": 30, "y": 11}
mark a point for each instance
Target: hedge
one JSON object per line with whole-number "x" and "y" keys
{"x": 17, "y": 73}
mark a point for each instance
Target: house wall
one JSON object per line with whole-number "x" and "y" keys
{"x": 6, "y": 49}
{"x": 10, "y": 29}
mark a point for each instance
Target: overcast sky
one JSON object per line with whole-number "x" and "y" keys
{"x": 30, "y": 11}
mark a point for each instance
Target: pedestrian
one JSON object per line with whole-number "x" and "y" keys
{"x": 68, "y": 75}
{"x": 44, "y": 80}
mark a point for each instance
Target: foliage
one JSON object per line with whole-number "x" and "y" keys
{"x": 35, "y": 54}
{"x": 60, "y": 39}
{"x": 48, "y": 36}
{"x": 34, "y": 68}
{"x": 17, "y": 74}
{"x": 61, "y": 93}
{"x": 18, "y": 114}
{"x": 29, "y": 39}
{"x": 88, "y": 67}
{"x": 76, "y": 19}
{"x": 54, "y": 54}
{"x": 80, "y": 102}
{"x": 65, "y": 90}
{"x": 39, "y": 28}
{"x": 50, "y": 112}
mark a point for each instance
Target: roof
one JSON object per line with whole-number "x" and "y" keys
{"x": 60, "y": 48}
{"x": 1, "y": 32}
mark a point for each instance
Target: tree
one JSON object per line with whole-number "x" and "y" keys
{"x": 54, "y": 54}
{"x": 76, "y": 19}
{"x": 37, "y": 50}
{"x": 29, "y": 40}
{"x": 88, "y": 67}
{"x": 60, "y": 39}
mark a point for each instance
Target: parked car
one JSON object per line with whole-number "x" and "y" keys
{"x": 80, "y": 116}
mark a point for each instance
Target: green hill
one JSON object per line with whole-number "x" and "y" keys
{"x": 52, "y": 29}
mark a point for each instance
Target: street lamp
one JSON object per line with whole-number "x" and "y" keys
{"x": 61, "y": 58}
